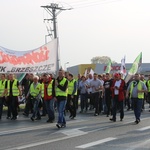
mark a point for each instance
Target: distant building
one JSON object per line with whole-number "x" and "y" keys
{"x": 100, "y": 68}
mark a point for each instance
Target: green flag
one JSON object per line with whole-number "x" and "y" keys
{"x": 20, "y": 76}
{"x": 108, "y": 68}
{"x": 135, "y": 67}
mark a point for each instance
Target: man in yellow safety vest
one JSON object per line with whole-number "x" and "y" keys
{"x": 136, "y": 88}
{"x": 72, "y": 95}
{"x": 3, "y": 87}
{"x": 35, "y": 96}
{"x": 13, "y": 91}
{"x": 61, "y": 85}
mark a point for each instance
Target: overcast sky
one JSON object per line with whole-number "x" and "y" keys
{"x": 111, "y": 28}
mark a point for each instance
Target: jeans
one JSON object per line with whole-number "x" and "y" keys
{"x": 28, "y": 106}
{"x": 50, "y": 108}
{"x": 116, "y": 104}
{"x": 108, "y": 103}
{"x": 61, "y": 108}
{"x": 35, "y": 103}
{"x": 71, "y": 102}
{"x": 95, "y": 97}
{"x": 84, "y": 101}
{"x": 137, "y": 106}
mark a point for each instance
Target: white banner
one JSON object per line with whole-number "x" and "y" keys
{"x": 42, "y": 59}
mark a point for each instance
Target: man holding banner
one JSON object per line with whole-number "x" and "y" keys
{"x": 3, "y": 86}
{"x": 13, "y": 91}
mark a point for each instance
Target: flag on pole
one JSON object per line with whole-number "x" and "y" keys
{"x": 92, "y": 72}
{"x": 108, "y": 68}
{"x": 123, "y": 67}
{"x": 135, "y": 67}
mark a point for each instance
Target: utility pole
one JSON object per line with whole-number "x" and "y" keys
{"x": 54, "y": 10}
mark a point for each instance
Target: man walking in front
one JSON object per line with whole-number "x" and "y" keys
{"x": 136, "y": 88}
{"x": 13, "y": 91}
{"x": 61, "y": 85}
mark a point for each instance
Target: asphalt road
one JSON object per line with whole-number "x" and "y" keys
{"x": 85, "y": 132}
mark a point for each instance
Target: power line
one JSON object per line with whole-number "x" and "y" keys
{"x": 92, "y": 3}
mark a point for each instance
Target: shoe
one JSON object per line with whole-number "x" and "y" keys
{"x": 32, "y": 118}
{"x": 96, "y": 114}
{"x": 121, "y": 119}
{"x": 25, "y": 114}
{"x": 50, "y": 121}
{"x": 13, "y": 118}
{"x": 8, "y": 117}
{"x": 136, "y": 122}
{"x": 111, "y": 119}
{"x": 38, "y": 118}
{"x": 58, "y": 126}
{"x": 107, "y": 116}
{"x": 70, "y": 116}
{"x": 63, "y": 126}
{"x": 81, "y": 111}
{"x": 43, "y": 115}
{"x": 128, "y": 109}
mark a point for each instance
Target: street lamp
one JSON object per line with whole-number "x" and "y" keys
{"x": 65, "y": 65}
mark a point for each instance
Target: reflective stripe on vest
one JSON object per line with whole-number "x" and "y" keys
{"x": 71, "y": 87}
{"x": 2, "y": 87}
{"x": 15, "y": 90}
{"x": 35, "y": 91}
{"x": 49, "y": 89}
{"x": 139, "y": 87}
{"x": 60, "y": 92}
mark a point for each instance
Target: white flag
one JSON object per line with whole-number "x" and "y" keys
{"x": 123, "y": 67}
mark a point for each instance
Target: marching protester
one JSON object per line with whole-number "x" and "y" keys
{"x": 34, "y": 95}
{"x": 27, "y": 81}
{"x": 148, "y": 90}
{"x": 3, "y": 88}
{"x": 107, "y": 93}
{"x": 83, "y": 85}
{"x": 72, "y": 95}
{"x": 142, "y": 78}
{"x": 78, "y": 90}
{"x": 48, "y": 94}
{"x": 89, "y": 92}
{"x": 13, "y": 91}
{"x": 96, "y": 86}
{"x": 118, "y": 91}
{"x": 102, "y": 104}
{"x": 137, "y": 88}
{"x": 61, "y": 85}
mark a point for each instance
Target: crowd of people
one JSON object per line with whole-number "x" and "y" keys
{"x": 102, "y": 94}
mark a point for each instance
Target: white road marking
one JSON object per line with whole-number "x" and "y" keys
{"x": 145, "y": 128}
{"x": 50, "y": 141}
{"x": 34, "y": 128}
{"x": 141, "y": 145}
{"x": 71, "y": 132}
{"x": 95, "y": 143}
